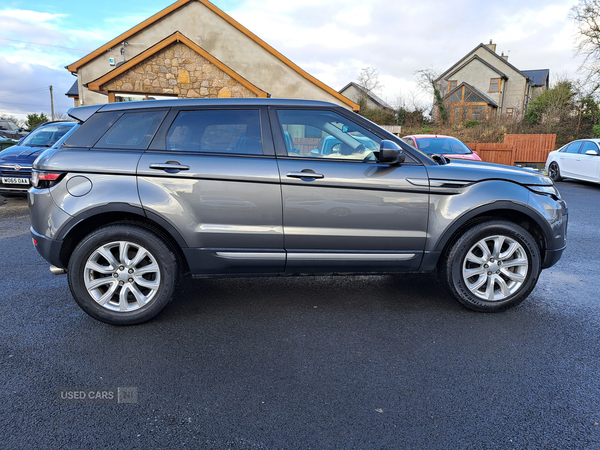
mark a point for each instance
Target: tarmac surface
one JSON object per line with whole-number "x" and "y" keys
{"x": 377, "y": 362}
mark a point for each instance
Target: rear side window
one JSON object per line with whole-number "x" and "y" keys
{"x": 216, "y": 131}
{"x": 573, "y": 147}
{"x": 133, "y": 130}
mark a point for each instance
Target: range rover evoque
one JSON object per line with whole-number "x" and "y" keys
{"x": 143, "y": 193}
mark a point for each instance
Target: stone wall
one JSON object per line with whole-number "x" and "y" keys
{"x": 178, "y": 70}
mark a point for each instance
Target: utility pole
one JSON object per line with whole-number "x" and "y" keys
{"x": 52, "y": 102}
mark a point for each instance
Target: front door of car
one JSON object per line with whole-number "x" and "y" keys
{"x": 346, "y": 212}
{"x": 588, "y": 165}
{"x": 211, "y": 175}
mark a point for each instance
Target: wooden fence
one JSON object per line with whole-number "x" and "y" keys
{"x": 531, "y": 147}
{"x": 517, "y": 148}
{"x": 495, "y": 153}
{"x": 305, "y": 145}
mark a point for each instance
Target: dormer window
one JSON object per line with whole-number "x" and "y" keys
{"x": 452, "y": 84}
{"x": 494, "y": 84}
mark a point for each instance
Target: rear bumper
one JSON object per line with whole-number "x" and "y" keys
{"x": 48, "y": 248}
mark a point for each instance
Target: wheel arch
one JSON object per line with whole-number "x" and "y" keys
{"x": 505, "y": 210}
{"x": 83, "y": 224}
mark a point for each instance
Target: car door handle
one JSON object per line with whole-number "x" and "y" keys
{"x": 169, "y": 166}
{"x": 305, "y": 175}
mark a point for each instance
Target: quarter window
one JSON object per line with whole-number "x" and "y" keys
{"x": 325, "y": 134}
{"x": 216, "y": 131}
{"x": 134, "y": 130}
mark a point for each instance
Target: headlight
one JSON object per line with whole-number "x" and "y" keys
{"x": 545, "y": 190}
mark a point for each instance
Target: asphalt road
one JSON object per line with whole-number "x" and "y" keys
{"x": 382, "y": 362}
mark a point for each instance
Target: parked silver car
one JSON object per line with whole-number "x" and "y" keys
{"x": 579, "y": 160}
{"x": 144, "y": 193}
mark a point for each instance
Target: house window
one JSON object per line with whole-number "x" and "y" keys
{"x": 452, "y": 84}
{"x": 494, "y": 84}
{"x": 510, "y": 112}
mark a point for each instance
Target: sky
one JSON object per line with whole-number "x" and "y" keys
{"x": 330, "y": 39}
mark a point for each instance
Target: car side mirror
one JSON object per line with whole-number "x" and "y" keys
{"x": 592, "y": 152}
{"x": 390, "y": 153}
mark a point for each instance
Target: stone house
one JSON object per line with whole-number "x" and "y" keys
{"x": 357, "y": 94}
{"x": 483, "y": 83}
{"x": 192, "y": 49}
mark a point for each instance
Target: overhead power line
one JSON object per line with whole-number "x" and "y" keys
{"x": 44, "y": 45}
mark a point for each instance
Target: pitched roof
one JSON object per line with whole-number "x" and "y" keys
{"x": 73, "y": 90}
{"x": 373, "y": 97}
{"x": 96, "y": 85}
{"x": 538, "y": 77}
{"x": 488, "y": 100}
{"x": 482, "y": 61}
{"x": 180, "y": 3}
{"x": 504, "y": 61}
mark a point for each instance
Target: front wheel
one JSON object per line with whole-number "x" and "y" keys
{"x": 493, "y": 266}
{"x": 122, "y": 274}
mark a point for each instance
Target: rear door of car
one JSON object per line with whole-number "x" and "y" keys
{"x": 588, "y": 165}
{"x": 212, "y": 175}
{"x": 568, "y": 160}
{"x": 346, "y": 212}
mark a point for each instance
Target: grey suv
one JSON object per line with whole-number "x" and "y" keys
{"x": 144, "y": 193}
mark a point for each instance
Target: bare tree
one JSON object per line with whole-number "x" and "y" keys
{"x": 426, "y": 81}
{"x": 586, "y": 15}
{"x": 368, "y": 80}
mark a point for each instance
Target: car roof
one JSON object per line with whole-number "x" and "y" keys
{"x": 84, "y": 112}
{"x": 427, "y": 136}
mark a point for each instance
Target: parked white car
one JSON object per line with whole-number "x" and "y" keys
{"x": 578, "y": 159}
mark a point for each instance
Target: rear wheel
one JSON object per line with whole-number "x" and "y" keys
{"x": 554, "y": 172}
{"x": 122, "y": 274}
{"x": 493, "y": 266}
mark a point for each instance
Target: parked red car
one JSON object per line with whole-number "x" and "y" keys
{"x": 435, "y": 144}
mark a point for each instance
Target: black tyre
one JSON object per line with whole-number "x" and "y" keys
{"x": 493, "y": 266}
{"x": 554, "y": 172}
{"x": 123, "y": 274}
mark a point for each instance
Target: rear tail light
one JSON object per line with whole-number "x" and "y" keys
{"x": 42, "y": 180}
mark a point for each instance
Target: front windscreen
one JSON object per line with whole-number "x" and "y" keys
{"x": 443, "y": 146}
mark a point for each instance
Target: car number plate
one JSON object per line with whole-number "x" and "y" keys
{"x": 15, "y": 180}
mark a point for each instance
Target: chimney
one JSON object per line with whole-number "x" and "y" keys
{"x": 504, "y": 57}
{"x": 491, "y": 46}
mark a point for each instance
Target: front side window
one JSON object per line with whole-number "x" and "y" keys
{"x": 326, "y": 134}
{"x": 216, "y": 131}
{"x": 588, "y": 145}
